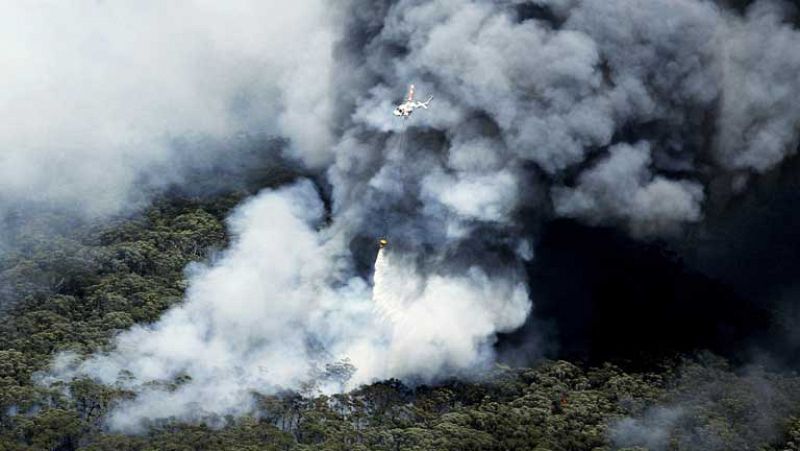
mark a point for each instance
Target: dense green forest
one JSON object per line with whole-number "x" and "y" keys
{"x": 64, "y": 289}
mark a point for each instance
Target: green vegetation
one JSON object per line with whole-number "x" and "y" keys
{"x": 75, "y": 290}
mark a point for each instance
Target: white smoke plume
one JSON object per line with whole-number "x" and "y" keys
{"x": 437, "y": 323}
{"x": 608, "y": 112}
{"x": 94, "y": 93}
{"x": 652, "y": 430}
{"x": 247, "y": 323}
{"x": 251, "y": 325}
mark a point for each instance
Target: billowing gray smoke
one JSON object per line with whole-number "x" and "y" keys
{"x": 617, "y": 113}
{"x": 748, "y": 410}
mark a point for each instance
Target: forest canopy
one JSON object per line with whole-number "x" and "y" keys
{"x": 75, "y": 291}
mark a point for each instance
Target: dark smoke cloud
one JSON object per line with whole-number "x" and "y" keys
{"x": 683, "y": 70}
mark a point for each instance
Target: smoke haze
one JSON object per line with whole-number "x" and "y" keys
{"x": 96, "y": 93}
{"x": 620, "y": 114}
{"x": 706, "y": 391}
